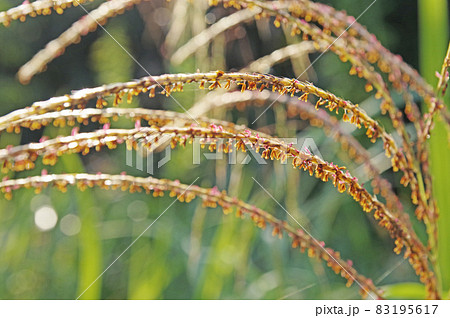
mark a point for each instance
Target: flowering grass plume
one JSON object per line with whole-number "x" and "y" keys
{"x": 322, "y": 29}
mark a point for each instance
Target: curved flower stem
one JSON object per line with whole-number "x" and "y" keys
{"x": 264, "y": 63}
{"x": 209, "y": 34}
{"x": 38, "y": 7}
{"x": 83, "y": 26}
{"x": 153, "y": 117}
{"x": 318, "y": 118}
{"x": 211, "y": 198}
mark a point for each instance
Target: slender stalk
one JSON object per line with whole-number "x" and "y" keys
{"x": 433, "y": 39}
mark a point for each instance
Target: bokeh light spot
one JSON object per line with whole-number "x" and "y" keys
{"x": 70, "y": 224}
{"x": 137, "y": 210}
{"x": 45, "y": 218}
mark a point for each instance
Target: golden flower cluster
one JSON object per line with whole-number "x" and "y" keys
{"x": 39, "y": 7}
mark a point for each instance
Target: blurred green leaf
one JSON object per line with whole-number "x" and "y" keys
{"x": 404, "y": 291}
{"x": 90, "y": 253}
{"x": 433, "y": 33}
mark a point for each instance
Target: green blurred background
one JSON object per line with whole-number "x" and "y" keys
{"x": 191, "y": 252}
